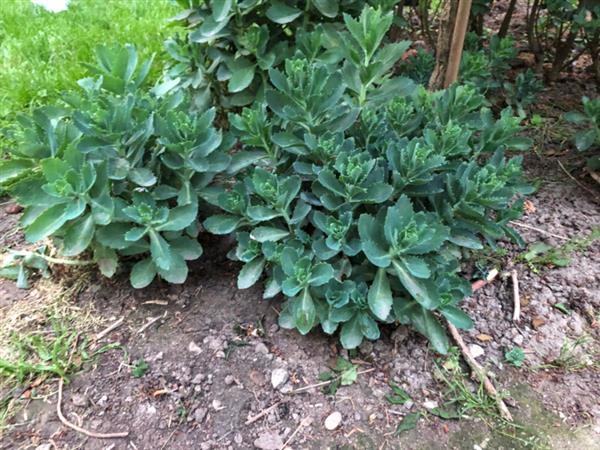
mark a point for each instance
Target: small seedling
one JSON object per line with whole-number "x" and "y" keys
{"x": 515, "y": 356}
{"x": 399, "y": 396}
{"x": 139, "y": 369}
{"x": 541, "y": 254}
{"x": 563, "y": 308}
{"x": 344, "y": 373}
{"x": 408, "y": 423}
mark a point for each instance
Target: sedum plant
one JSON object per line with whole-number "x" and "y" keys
{"x": 359, "y": 206}
{"x": 116, "y": 172}
{"x": 590, "y": 137}
{"x": 231, "y": 44}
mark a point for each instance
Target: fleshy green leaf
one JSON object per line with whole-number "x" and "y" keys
{"x": 250, "y": 273}
{"x": 380, "y": 295}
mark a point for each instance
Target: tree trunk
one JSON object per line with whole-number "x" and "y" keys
{"x": 507, "y": 18}
{"x": 444, "y": 43}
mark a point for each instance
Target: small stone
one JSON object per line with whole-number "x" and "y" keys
{"x": 400, "y": 334}
{"x": 430, "y": 404}
{"x": 205, "y": 446}
{"x": 366, "y": 347}
{"x": 518, "y": 339}
{"x": 279, "y": 377}
{"x": 261, "y": 349}
{"x": 13, "y": 208}
{"x": 200, "y": 414}
{"x": 199, "y": 378}
{"x": 238, "y": 438}
{"x": 194, "y": 348}
{"x": 269, "y": 441}
{"x": 229, "y": 380}
{"x": 476, "y": 350}
{"x": 80, "y": 400}
{"x": 217, "y": 405}
{"x": 103, "y": 400}
{"x": 44, "y": 447}
{"x": 333, "y": 420}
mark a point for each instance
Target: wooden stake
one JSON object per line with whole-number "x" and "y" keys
{"x": 458, "y": 41}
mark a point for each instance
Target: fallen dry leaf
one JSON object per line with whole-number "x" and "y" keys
{"x": 485, "y": 337}
{"x": 537, "y": 322}
{"x": 529, "y": 207}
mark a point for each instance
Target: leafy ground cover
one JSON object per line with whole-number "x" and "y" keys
{"x": 42, "y": 53}
{"x": 205, "y": 364}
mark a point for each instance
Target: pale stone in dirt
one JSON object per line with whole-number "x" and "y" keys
{"x": 333, "y": 420}
{"x": 194, "y": 348}
{"x": 476, "y": 350}
{"x": 269, "y": 441}
{"x": 279, "y": 377}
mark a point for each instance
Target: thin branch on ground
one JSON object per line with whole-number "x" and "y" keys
{"x": 479, "y": 371}
{"x": 516, "y": 296}
{"x": 539, "y": 230}
{"x": 581, "y": 185}
{"x": 324, "y": 383}
{"x": 303, "y": 423}
{"x": 110, "y": 328}
{"x": 78, "y": 428}
{"x": 264, "y": 412}
{"x": 150, "y": 322}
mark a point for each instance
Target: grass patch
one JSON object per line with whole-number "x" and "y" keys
{"x": 44, "y": 336}
{"x": 468, "y": 400}
{"x": 41, "y": 53}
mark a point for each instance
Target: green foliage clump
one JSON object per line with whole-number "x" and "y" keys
{"x": 589, "y": 138}
{"x": 116, "y": 172}
{"x": 361, "y": 204}
{"x": 230, "y": 45}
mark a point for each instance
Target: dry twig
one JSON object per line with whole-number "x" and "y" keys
{"x": 264, "y": 412}
{"x": 539, "y": 230}
{"x": 479, "y": 372}
{"x": 110, "y": 328}
{"x": 150, "y": 322}
{"x": 324, "y": 383}
{"x": 582, "y": 186}
{"x": 78, "y": 428}
{"x": 303, "y": 423}
{"x": 516, "y": 296}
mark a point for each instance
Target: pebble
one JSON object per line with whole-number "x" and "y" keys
{"x": 200, "y": 414}
{"x": 430, "y": 404}
{"x": 261, "y": 349}
{"x": 400, "y": 334}
{"x": 366, "y": 347}
{"x": 333, "y": 420}
{"x": 80, "y": 400}
{"x": 476, "y": 350}
{"x": 44, "y": 447}
{"x": 217, "y": 405}
{"x": 269, "y": 441}
{"x": 199, "y": 378}
{"x": 229, "y": 380}
{"x": 194, "y": 348}
{"x": 518, "y": 339}
{"x": 279, "y": 377}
